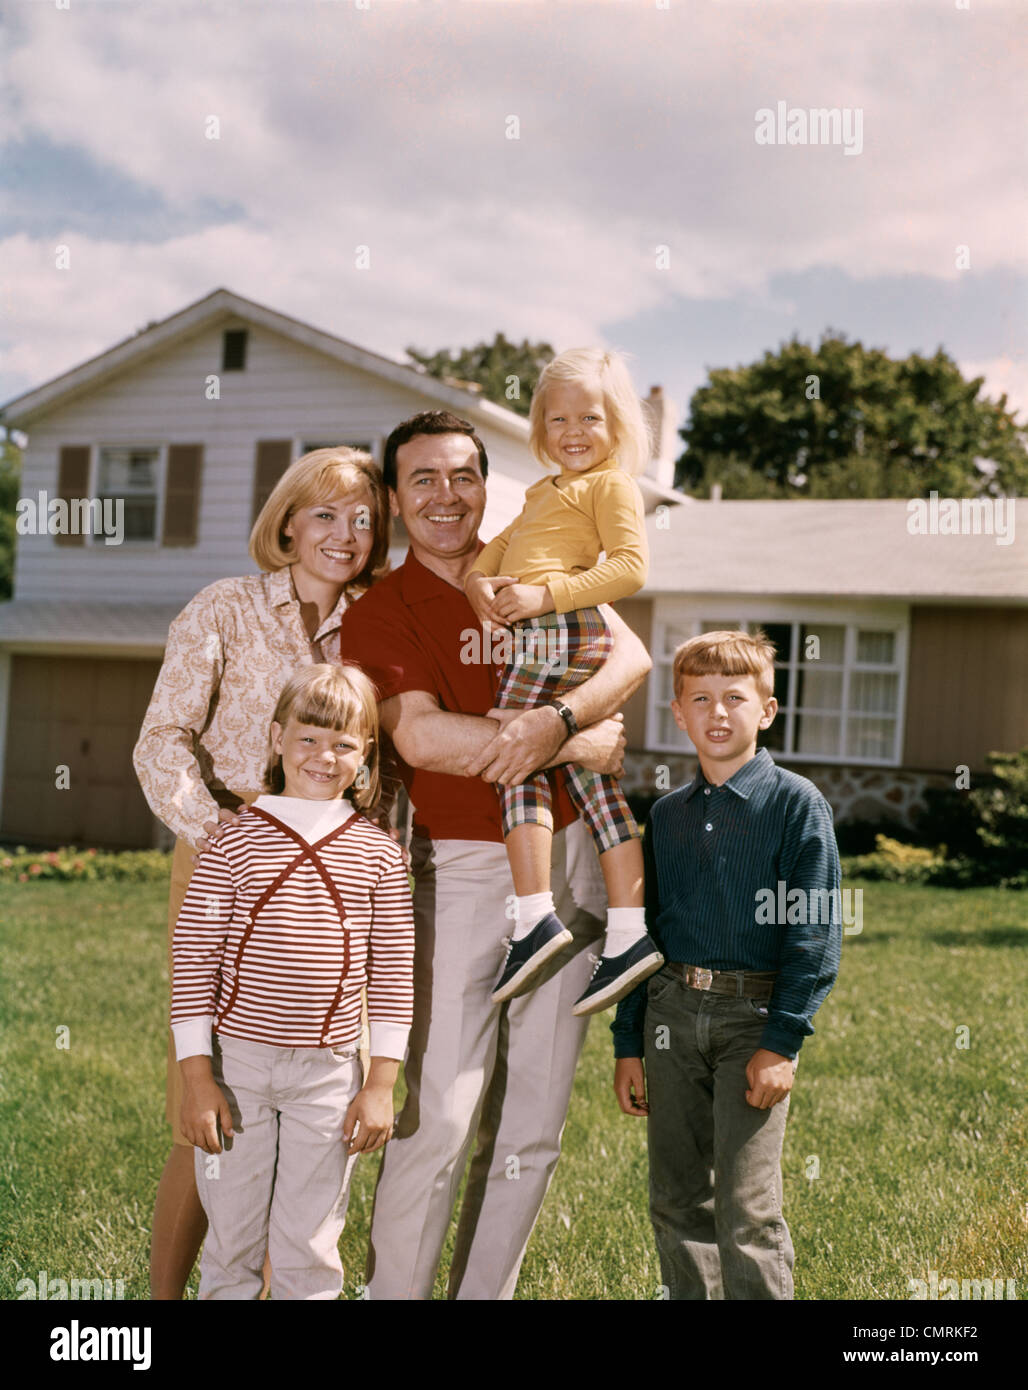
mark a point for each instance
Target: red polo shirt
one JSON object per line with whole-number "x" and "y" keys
{"x": 407, "y": 633}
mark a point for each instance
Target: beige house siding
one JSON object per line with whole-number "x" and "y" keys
{"x": 968, "y": 673}
{"x": 638, "y": 614}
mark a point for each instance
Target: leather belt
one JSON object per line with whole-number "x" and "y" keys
{"x": 743, "y": 984}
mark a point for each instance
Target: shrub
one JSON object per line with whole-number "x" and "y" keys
{"x": 1002, "y": 813}
{"x": 68, "y": 864}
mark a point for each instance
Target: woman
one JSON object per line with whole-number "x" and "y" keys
{"x": 320, "y": 539}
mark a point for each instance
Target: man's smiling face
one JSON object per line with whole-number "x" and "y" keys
{"x": 440, "y": 495}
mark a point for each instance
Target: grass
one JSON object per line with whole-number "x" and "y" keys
{"x": 916, "y": 1140}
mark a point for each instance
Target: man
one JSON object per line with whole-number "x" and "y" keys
{"x": 500, "y": 1076}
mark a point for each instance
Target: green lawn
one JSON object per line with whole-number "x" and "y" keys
{"x": 918, "y": 1143}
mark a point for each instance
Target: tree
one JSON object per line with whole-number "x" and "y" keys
{"x": 841, "y": 420}
{"x": 506, "y": 372}
{"x": 10, "y": 480}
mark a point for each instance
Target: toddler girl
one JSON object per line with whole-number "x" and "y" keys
{"x": 544, "y": 576}
{"x": 289, "y": 913}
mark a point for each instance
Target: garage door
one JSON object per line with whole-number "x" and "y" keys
{"x": 83, "y": 713}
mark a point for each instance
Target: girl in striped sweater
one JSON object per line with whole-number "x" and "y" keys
{"x": 289, "y": 915}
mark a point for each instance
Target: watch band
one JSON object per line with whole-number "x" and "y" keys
{"x": 567, "y": 715}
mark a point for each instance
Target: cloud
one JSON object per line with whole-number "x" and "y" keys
{"x": 388, "y": 127}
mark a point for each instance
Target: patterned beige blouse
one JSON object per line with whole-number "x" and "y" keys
{"x": 204, "y": 740}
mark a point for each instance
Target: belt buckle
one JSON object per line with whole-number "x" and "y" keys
{"x": 702, "y": 978}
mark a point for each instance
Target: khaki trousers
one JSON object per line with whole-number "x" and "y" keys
{"x": 282, "y": 1182}
{"x": 496, "y": 1078}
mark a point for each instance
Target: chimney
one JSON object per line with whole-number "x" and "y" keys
{"x": 662, "y": 416}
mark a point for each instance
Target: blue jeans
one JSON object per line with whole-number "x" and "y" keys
{"x": 715, "y": 1161}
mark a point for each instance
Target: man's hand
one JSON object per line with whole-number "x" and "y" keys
{"x": 203, "y": 1105}
{"x": 214, "y": 829}
{"x": 770, "y": 1077}
{"x": 630, "y": 1085}
{"x": 600, "y": 748}
{"x": 527, "y": 740}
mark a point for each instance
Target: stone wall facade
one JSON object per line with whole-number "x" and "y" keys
{"x": 854, "y": 793}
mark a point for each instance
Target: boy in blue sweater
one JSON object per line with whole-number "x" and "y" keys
{"x": 721, "y": 1025}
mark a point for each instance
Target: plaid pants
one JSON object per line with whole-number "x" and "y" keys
{"x": 552, "y": 655}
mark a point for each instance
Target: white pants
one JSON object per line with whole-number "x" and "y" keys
{"x": 281, "y": 1185}
{"x": 501, "y": 1075}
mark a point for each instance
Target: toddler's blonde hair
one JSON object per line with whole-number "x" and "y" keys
{"x": 631, "y": 438}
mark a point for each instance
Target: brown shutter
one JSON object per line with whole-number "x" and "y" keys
{"x": 273, "y": 458}
{"x": 73, "y": 481}
{"x": 182, "y": 494}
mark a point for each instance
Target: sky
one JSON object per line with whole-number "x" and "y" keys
{"x": 577, "y": 173}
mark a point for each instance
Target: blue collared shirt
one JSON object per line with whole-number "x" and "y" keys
{"x": 723, "y": 866}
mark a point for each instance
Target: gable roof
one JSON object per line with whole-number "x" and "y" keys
{"x": 224, "y": 305}
{"x": 860, "y": 549}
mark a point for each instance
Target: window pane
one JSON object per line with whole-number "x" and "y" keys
{"x": 876, "y": 648}
{"x": 782, "y": 685}
{"x": 140, "y": 518}
{"x": 819, "y": 734}
{"x": 668, "y": 732}
{"x": 720, "y": 625}
{"x": 781, "y": 635}
{"x": 830, "y": 645}
{"x": 873, "y": 692}
{"x": 663, "y": 675}
{"x": 819, "y": 689}
{"x": 870, "y": 738}
{"x": 127, "y": 470}
{"x": 674, "y": 635}
{"x": 131, "y": 474}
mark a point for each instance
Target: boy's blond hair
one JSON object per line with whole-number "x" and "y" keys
{"x": 631, "y": 438}
{"x": 322, "y": 476}
{"x": 331, "y": 697}
{"x": 727, "y": 654}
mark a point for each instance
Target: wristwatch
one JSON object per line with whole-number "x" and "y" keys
{"x": 567, "y": 716}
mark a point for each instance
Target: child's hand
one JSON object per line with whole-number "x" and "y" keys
{"x": 480, "y": 591}
{"x": 630, "y": 1085}
{"x": 203, "y": 1105}
{"x": 369, "y": 1120}
{"x": 770, "y": 1077}
{"x": 514, "y": 602}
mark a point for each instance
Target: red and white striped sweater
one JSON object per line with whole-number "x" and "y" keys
{"x": 277, "y": 937}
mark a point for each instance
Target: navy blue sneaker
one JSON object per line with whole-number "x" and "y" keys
{"x": 615, "y": 976}
{"x": 525, "y": 958}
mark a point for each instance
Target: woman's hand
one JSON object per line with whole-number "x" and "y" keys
{"x": 214, "y": 829}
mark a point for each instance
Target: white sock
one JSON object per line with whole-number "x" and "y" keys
{"x": 531, "y": 909}
{"x": 625, "y": 926}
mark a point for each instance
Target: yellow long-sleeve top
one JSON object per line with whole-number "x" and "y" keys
{"x": 557, "y": 538}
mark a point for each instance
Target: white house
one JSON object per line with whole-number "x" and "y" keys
{"x": 191, "y": 422}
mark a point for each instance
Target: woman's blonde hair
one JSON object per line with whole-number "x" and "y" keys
{"x": 331, "y": 697}
{"x": 632, "y": 447}
{"x": 322, "y": 476}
